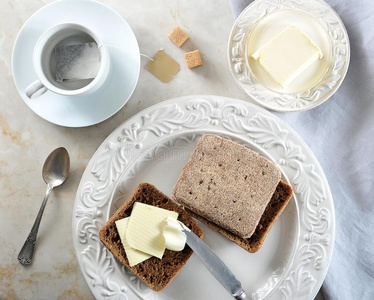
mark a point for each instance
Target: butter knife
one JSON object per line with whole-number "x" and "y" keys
{"x": 214, "y": 264}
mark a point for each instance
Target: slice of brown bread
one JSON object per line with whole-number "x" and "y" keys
{"x": 227, "y": 183}
{"x": 278, "y": 202}
{"x": 154, "y": 272}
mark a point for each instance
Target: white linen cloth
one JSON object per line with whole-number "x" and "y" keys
{"x": 340, "y": 132}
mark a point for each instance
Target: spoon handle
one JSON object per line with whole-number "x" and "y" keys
{"x": 27, "y": 251}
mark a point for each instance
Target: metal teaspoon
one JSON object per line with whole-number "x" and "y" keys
{"x": 55, "y": 171}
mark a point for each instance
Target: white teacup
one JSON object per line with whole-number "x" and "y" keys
{"x": 44, "y": 61}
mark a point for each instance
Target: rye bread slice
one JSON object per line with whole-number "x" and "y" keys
{"x": 227, "y": 183}
{"x": 275, "y": 207}
{"x": 154, "y": 272}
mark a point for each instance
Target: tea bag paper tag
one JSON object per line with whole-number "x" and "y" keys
{"x": 163, "y": 66}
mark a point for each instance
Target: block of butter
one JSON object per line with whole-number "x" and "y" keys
{"x": 134, "y": 256}
{"x": 145, "y": 228}
{"x": 287, "y": 55}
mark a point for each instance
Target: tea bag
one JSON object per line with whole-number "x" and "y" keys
{"x": 163, "y": 66}
{"x": 76, "y": 62}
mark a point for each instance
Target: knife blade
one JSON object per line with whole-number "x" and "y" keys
{"x": 214, "y": 264}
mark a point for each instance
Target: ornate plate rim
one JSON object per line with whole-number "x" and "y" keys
{"x": 317, "y": 242}
{"x": 305, "y": 99}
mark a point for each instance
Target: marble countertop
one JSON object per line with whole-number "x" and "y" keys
{"x": 26, "y": 139}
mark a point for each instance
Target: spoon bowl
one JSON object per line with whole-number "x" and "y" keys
{"x": 56, "y": 167}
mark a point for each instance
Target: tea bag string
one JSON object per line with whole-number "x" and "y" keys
{"x": 151, "y": 59}
{"x": 144, "y": 55}
{"x": 141, "y": 54}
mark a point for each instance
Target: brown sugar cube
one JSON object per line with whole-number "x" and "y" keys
{"x": 193, "y": 59}
{"x": 178, "y": 36}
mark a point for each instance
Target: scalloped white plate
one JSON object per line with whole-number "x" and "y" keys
{"x": 262, "y": 20}
{"x": 153, "y": 146}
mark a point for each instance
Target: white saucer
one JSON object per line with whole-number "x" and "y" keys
{"x": 124, "y": 53}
